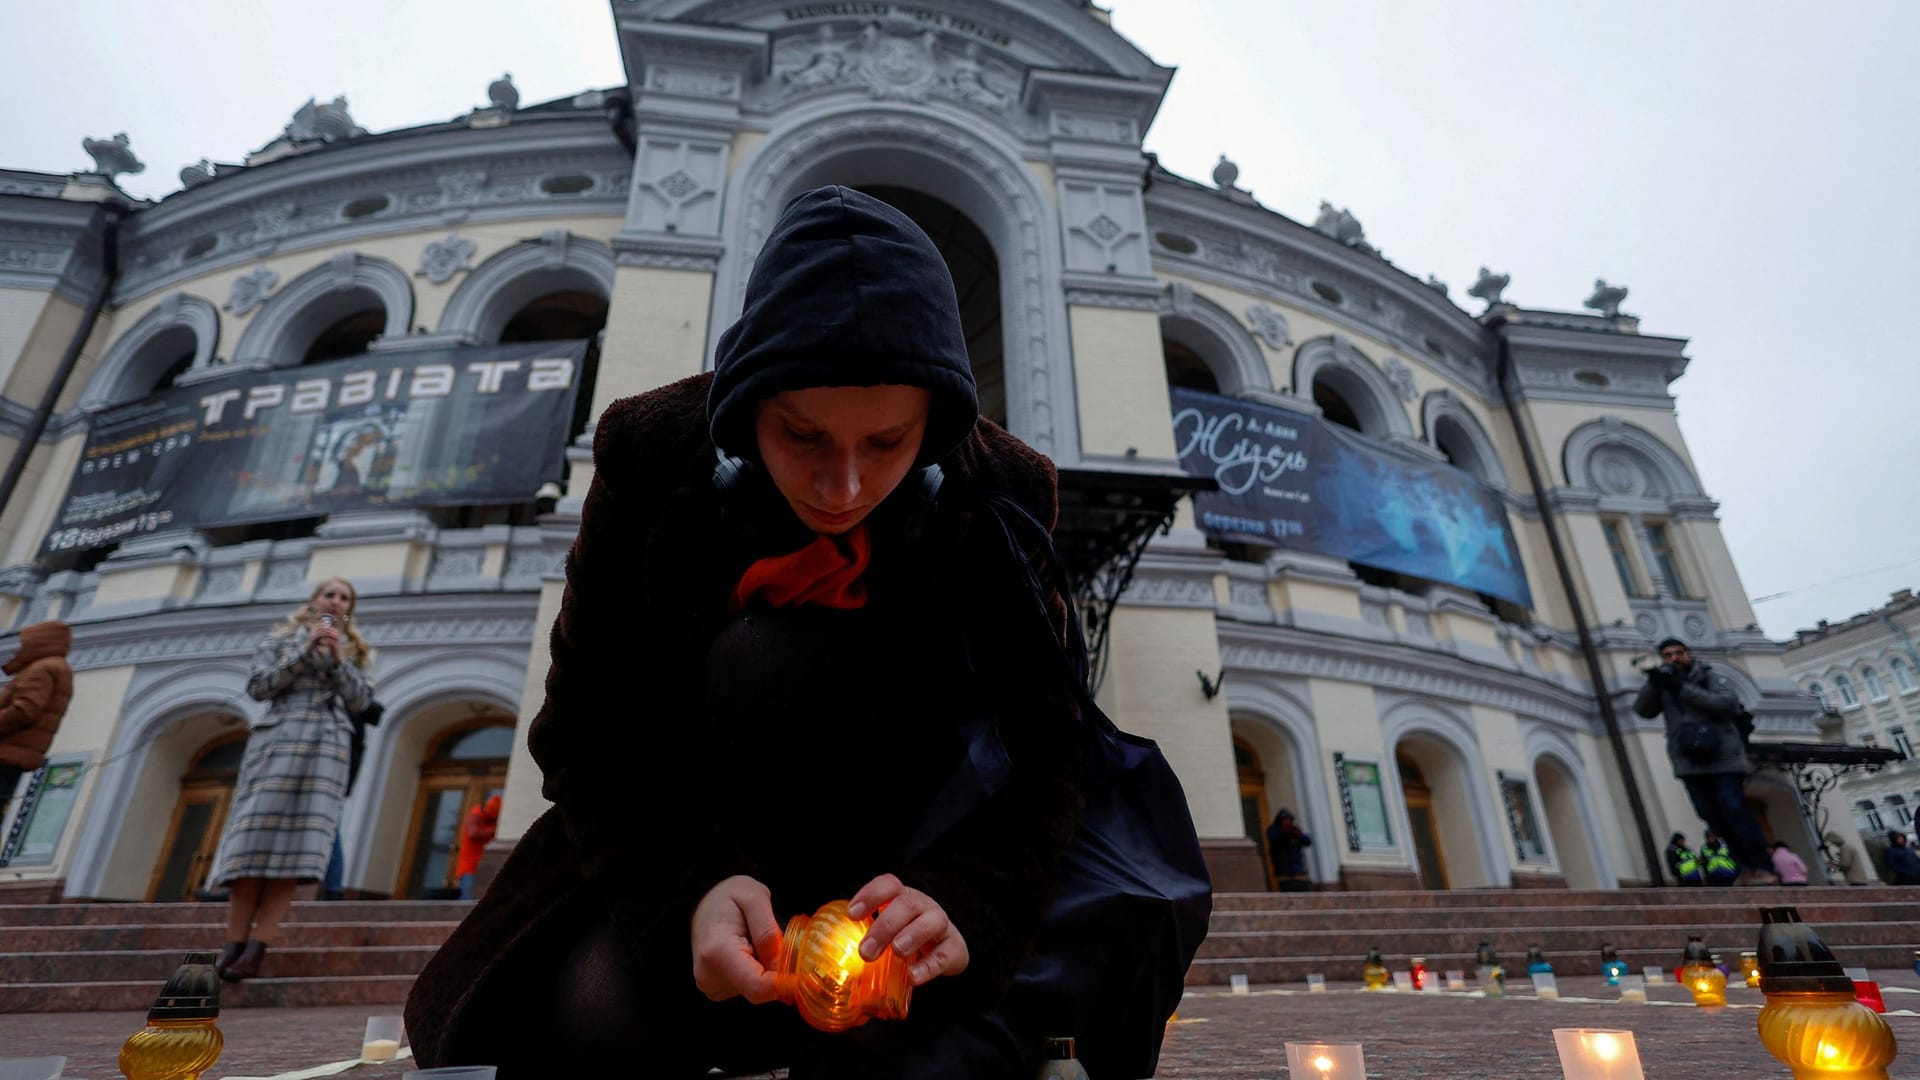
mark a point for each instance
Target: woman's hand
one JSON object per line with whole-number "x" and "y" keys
{"x": 914, "y": 924}
{"x": 736, "y": 940}
{"x": 324, "y": 640}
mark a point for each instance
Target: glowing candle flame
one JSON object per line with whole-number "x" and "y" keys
{"x": 1324, "y": 1064}
{"x": 1829, "y": 1051}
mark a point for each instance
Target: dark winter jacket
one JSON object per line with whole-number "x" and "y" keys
{"x": 1288, "y": 845}
{"x": 646, "y": 816}
{"x": 1700, "y": 696}
{"x": 35, "y": 699}
{"x": 1903, "y": 866}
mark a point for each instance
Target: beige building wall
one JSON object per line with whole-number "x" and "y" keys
{"x": 1150, "y": 691}
{"x": 656, "y": 332}
{"x": 1120, "y": 376}
{"x": 92, "y": 720}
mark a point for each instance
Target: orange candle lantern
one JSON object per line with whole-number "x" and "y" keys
{"x": 820, "y": 972}
{"x": 1811, "y": 1021}
{"x": 1699, "y": 975}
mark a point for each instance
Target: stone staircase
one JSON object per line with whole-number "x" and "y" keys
{"x": 100, "y": 957}
{"x": 1283, "y": 937}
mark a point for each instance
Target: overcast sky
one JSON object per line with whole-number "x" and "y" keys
{"x": 1750, "y": 171}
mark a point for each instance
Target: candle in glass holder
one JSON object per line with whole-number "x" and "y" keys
{"x": 1633, "y": 990}
{"x": 1325, "y": 1061}
{"x": 1750, "y": 969}
{"x": 1654, "y": 975}
{"x": 1611, "y": 965}
{"x": 821, "y": 973}
{"x": 1546, "y": 986}
{"x": 1316, "y": 984}
{"x": 1403, "y": 981}
{"x": 1238, "y": 982}
{"x": 1707, "y": 983}
{"x": 1456, "y": 979}
{"x": 1592, "y": 1054}
{"x": 1374, "y": 971}
{"x": 1812, "y": 1021}
{"x": 1419, "y": 973}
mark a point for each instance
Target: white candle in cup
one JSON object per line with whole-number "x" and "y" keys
{"x": 1654, "y": 975}
{"x": 1546, "y": 987}
{"x": 382, "y": 1041}
{"x": 1633, "y": 990}
{"x": 1456, "y": 980}
{"x": 1403, "y": 981}
{"x": 1588, "y": 1054}
{"x": 1316, "y": 984}
{"x": 1238, "y": 982}
{"x": 379, "y": 1049}
{"x": 1326, "y": 1061}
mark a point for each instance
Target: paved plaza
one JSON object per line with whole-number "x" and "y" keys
{"x": 1216, "y": 1035}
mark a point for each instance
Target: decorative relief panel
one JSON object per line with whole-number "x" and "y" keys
{"x": 1105, "y": 227}
{"x": 680, "y": 80}
{"x": 250, "y": 290}
{"x": 441, "y": 259}
{"x": 895, "y": 62}
{"x": 1270, "y": 326}
{"x": 1094, "y": 127}
{"x": 677, "y": 185}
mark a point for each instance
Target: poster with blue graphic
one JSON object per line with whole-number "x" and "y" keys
{"x": 1292, "y": 480}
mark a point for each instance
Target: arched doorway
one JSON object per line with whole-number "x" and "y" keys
{"x": 1253, "y": 800}
{"x": 1444, "y": 817}
{"x": 976, "y": 284}
{"x": 1560, "y": 796}
{"x": 1429, "y": 851}
{"x": 199, "y": 817}
{"x": 465, "y": 765}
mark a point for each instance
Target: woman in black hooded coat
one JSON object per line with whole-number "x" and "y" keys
{"x": 762, "y": 675}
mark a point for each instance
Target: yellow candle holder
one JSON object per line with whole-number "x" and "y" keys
{"x": 1750, "y": 969}
{"x": 1701, "y": 977}
{"x": 820, "y": 972}
{"x": 1812, "y": 1023}
{"x": 180, "y": 1040}
{"x": 1374, "y": 973}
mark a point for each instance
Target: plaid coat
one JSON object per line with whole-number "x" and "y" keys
{"x": 293, "y": 779}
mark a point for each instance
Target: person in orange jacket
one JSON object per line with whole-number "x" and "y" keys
{"x": 482, "y": 821}
{"x": 33, "y": 703}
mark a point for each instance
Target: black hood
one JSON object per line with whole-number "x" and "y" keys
{"x": 847, "y": 292}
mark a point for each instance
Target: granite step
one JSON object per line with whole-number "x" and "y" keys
{"x": 310, "y": 911}
{"x": 185, "y": 937}
{"x": 156, "y": 965}
{"x": 1904, "y": 911}
{"x": 125, "y": 996}
{"x": 1481, "y": 899}
{"x": 1273, "y": 970}
{"x": 1580, "y": 945}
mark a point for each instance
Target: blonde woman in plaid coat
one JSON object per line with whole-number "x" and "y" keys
{"x": 311, "y": 670}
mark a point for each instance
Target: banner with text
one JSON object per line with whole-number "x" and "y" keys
{"x": 1292, "y": 480}
{"x": 443, "y": 427}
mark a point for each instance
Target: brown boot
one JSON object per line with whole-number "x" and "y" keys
{"x": 247, "y": 964}
{"x": 228, "y": 954}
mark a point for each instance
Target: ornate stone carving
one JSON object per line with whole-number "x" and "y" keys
{"x": 1419, "y": 625}
{"x": 286, "y": 573}
{"x": 196, "y": 174}
{"x": 113, "y": 157}
{"x": 250, "y": 290}
{"x": 1489, "y": 285}
{"x": 1225, "y": 173}
{"x": 1094, "y": 128}
{"x": 1695, "y": 626}
{"x": 1341, "y": 225}
{"x": 1436, "y": 285}
{"x": 274, "y": 221}
{"x": 1647, "y": 624}
{"x": 1401, "y": 376}
{"x": 503, "y": 93}
{"x": 462, "y": 188}
{"x": 896, "y": 67}
{"x": 327, "y": 123}
{"x": 1606, "y": 298}
{"x": 694, "y": 82}
{"x": 222, "y": 580}
{"x": 456, "y": 563}
{"x": 1170, "y": 591}
{"x": 1270, "y": 326}
{"x": 442, "y": 259}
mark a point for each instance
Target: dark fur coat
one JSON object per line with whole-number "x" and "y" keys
{"x": 641, "y": 810}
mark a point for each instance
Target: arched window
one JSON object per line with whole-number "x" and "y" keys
{"x": 1844, "y": 685}
{"x": 1876, "y": 689}
{"x": 1349, "y": 388}
{"x": 347, "y": 336}
{"x": 1185, "y": 368}
{"x": 466, "y": 765}
{"x": 1897, "y": 806}
{"x": 332, "y": 311}
{"x": 1207, "y": 349}
{"x": 1334, "y": 407}
{"x": 1870, "y": 815}
{"x": 177, "y": 336}
{"x": 1902, "y": 675}
{"x": 1820, "y": 694}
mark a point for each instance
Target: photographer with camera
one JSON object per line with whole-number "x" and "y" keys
{"x": 1708, "y": 752}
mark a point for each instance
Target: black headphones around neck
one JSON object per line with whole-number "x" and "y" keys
{"x": 905, "y": 512}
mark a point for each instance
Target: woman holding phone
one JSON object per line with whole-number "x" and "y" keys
{"x": 311, "y": 670}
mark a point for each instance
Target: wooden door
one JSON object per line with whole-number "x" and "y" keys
{"x": 1425, "y": 832}
{"x": 199, "y": 817}
{"x": 1253, "y": 803}
{"x": 467, "y": 767}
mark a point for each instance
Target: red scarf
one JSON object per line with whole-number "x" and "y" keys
{"x": 825, "y": 572}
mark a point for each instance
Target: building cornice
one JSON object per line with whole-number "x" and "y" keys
{"x": 429, "y": 181}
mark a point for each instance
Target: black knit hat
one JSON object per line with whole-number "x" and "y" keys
{"x": 847, "y": 292}
{"x": 1662, "y": 647}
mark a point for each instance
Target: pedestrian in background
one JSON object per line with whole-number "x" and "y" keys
{"x": 1717, "y": 862}
{"x": 33, "y": 702}
{"x": 1902, "y": 864}
{"x": 311, "y": 670}
{"x": 1708, "y": 752}
{"x": 1790, "y": 867}
{"x": 1682, "y": 863}
{"x": 482, "y": 822}
{"x": 1848, "y": 860}
{"x": 1287, "y": 845}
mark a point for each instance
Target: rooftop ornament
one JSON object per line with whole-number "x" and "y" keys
{"x": 112, "y": 157}
{"x": 1225, "y": 173}
{"x": 1341, "y": 225}
{"x": 1488, "y": 286}
{"x": 1606, "y": 298}
{"x": 503, "y": 93}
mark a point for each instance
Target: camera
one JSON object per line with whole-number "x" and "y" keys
{"x": 1665, "y": 673}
